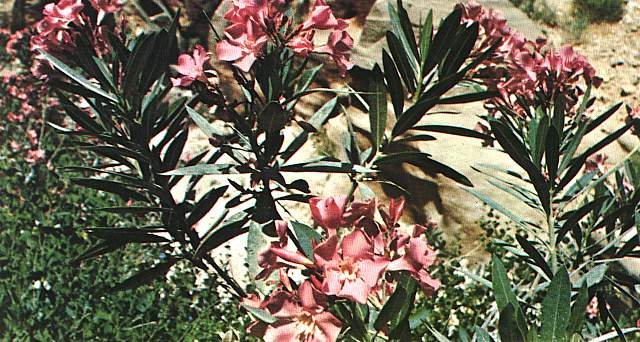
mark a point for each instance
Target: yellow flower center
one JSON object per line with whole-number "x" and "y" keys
{"x": 348, "y": 270}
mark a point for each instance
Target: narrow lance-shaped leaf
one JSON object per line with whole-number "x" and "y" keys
{"x": 377, "y": 107}
{"x": 145, "y": 276}
{"x": 556, "y": 308}
{"x": 528, "y": 247}
{"x": 578, "y": 311}
{"x": 74, "y": 75}
{"x": 204, "y": 205}
{"x": 394, "y": 84}
{"x": 508, "y": 327}
{"x": 401, "y": 60}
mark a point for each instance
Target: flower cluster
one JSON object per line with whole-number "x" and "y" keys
{"x": 55, "y": 33}
{"x": 359, "y": 259}
{"x": 255, "y": 23}
{"x": 521, "y": 69}
{"x": 24, "y": 115}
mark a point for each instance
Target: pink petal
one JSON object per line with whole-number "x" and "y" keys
{"x": 356, "y": 245}
{"x": 326, "y": 251}
{"x": 371, "y": 270}
{"x": 356, "y": 290}
{"x": 227, "y": 51}
{"x": 245, "y": 62}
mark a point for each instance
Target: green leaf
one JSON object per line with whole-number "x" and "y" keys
{"x": 470, "y": 97}
{"x": 98, "y": 250}
{"x": 126, "y": 235}
{"x": 145, "y": 276}
{"x": 260, "y": 314}
{"x": 439, "y": 337}
{"x": 377, "y": 107}
{"x": 578, "y": 311}
{"x": 507, "y": 326}
{"x": 495, "y": 205}
{"x": 443, "y": 39}
{"x": 460, "y": 49}
{"x": 307, "y": 78}
{"x": 74, "y": 75}
{"x": 326, "y": 167}
{"x": 401, "y": 26}
{"x": 594, "y": 276}
{"x": 552, "y": 152}
{"x": 110, "y": 186}
{"x": 317, "y": 120}
{"x": 390, "y": 308}
{"x": 572, "y": 220}
{"x": 204, "y": 205}
{"x": 454, "y": 130}
{"x": 202, "y": 123}
{"x": 133, "y": 210}
{"x": 426, "y": 34}
{"x": 394, "y": 84}
{"x": 306, "y": 236}
{"x": 402, "y": 62}
{"x": 505, "y": 297}
{"x": 230, "y": 228}
{"x": 482, "y": 335}
{"x": 273, "y": 118}
{"x": 528, "y": 247}
{"x": 516, "y": 150}
{"x": 593, "y": 124}
{"x": 556, "y": 308}
{"x": 412, "y": 116}
{"x": 207, "y": 169}
{"x": 501, "y": 286}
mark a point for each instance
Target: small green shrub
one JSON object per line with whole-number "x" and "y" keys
{"x": 537, "y": 10}
{"x": 600, "y": 10}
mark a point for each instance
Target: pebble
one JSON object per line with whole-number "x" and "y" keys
{"x": 625, "y": 91}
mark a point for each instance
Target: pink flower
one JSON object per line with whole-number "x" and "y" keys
{"x": 322, "y": 18}
{"x": 361, "y": 214}
{"x": 243, "y": 45}
{"x": 302, "y": 43}
{"x": 65, "y": 11}
{"x": 327, "y": 212}
{"x": 13, "y": 117}
{"x": 301, "y": 316}
{"x": 396, "y": 206}
{"x": 338, "y": 46}
{"x": 35, "y": 156}
{"x": 352, "y": 270}
{"x": 191, "y": 67}
{"x": 415, "y": 256}
{"x": 633, "y": 117}
{"x": 32, "y": 135}
{"x": 105, "y": 7}
{"x": 592, "y": 308}
{"x": 596, "y": 162}
{"x": 279, "y": 254}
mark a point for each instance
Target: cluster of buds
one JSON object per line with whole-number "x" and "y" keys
{"x": 254, "y": 23}
{"x": 519, "y": 69}
{"x": 359, "y": 259}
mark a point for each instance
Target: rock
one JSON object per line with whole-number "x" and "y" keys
{"x": 625, "y": 90}
{"x": 616, "y": 63}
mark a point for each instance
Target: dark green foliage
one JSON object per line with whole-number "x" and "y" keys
{"x": 46, "y": 298}
{"x": 600, "y": 10}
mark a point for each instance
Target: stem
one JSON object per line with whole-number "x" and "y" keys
{"x": 552, "y": 241}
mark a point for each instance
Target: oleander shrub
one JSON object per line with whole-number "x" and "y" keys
{"x": 343, "y": 267}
